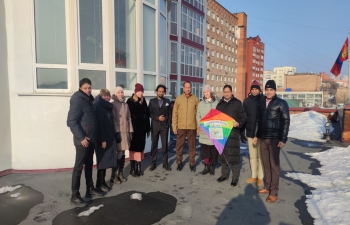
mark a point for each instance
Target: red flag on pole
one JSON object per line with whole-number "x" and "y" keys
{"x": 343, "y": 56}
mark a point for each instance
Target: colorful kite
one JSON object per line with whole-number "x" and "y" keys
{"x": 217, "y": 126}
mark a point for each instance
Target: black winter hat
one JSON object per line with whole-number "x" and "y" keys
{"x": 270, "y": 84}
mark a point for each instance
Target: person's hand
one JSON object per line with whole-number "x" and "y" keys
{"x": 235, "y": 124}
{"x": 85, "y": 142}
{"x": 281, "y": 144}
{"x": 175, "y": 132}
{"x": 104, "y": 144}
{"x": 148, "y": 134}
{"x": 161, "y": 118}
{"x": 130, "y": 136}
{"x": 198, "y": 132}
{"x": 118, "y": 138}
{"x": 255, "y": 141}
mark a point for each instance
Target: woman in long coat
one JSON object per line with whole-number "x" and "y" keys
{"x": 106, "y": 143}
{"x": 123, "y": 132}
{"x": 232, "y": 107}
{"x": 140, "y": 121}
{"x": 208, "y": 151}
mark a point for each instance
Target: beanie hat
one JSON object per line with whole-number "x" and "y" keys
{"x": 270, "y": 84}
{"x": 207, "y": 87}
{"x": 255, "y": 84}
{"x": 138, "y": 87}
{"x": 117, "y": 89}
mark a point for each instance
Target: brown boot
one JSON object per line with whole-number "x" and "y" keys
{"x": 251, "y": 180}
{"x": 260, "y": 182}
{"x": 271, "y": 198}
{"x": 263, "y": 191}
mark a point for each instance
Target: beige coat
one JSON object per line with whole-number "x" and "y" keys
{"x": 122, "y": 122}
{"x": 184, "y": 113}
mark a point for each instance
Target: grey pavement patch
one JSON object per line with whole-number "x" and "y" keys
{"x": 121, "y": 209}
{"x": 15, "y": 210}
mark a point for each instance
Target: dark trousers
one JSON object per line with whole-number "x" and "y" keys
{"x": 83, "y": 156}
{"x": 270, "y": 155}
{"x": 164, "y": 139}
{"x": 191, "y": 140}
{"x": 225, "y": 170}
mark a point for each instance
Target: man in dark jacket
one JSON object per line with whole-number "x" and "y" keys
{"x": 232, "y": 107}
{"x": 250, "y": 105}
{"x": 159, "y": 111}
{"x": 82, "y": 122}
{"x": 272, "y": 127}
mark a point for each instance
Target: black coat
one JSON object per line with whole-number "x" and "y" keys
{"x": 155, "y": 111}
{"x": 234, "y": 109}
{"x": 106, "y": 158}
{"x": 81, "y": 117}
{"x": 250, "y": 105}
{"x": 273, "y": 121}
{"x": 140, "y": 122}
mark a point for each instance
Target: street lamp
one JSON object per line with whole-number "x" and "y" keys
{"x": 327, "y": 135}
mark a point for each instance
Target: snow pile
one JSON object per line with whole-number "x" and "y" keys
{"x": 329, "y": 203}
{"x": 15, "y": 195}
{"x": 90, "y": 211}
{"x": 8, "y": 189}
{"x": 136, "y": 196}
{"x": 308, "y": 126}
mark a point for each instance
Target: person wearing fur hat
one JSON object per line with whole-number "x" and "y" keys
{"x": 208, "y": 152}
{"x": 250, "y": 105}
{"x": 124, "y": 130}
{"x": 272, "y": 126}
{"x": 140, "y": 122}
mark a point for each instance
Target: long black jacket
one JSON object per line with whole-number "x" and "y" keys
{"x": 140, "y": 122}
{"x": 81, "y": 117}
{"x": 234, "y": 109}
{"x": 106, "y": 158}
{"x": 273, "y": 121}
{"x": 250, "y": 105}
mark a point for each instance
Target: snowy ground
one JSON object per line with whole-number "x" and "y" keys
{"x": 308, "y": 126}
{"x": 329, "y": 203}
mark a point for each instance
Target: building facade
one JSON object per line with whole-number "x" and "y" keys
{"x": 222, "y": 47}
{"x": 187, "y": 45}
{"x": 48, "y": 46}
{"x": 255, "y": 62}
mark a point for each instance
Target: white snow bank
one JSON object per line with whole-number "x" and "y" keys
{"x": 308, "y": 126}
{"x": 8, "y": 189}
{"x": 90, "y": 211}
{"x": 329, "y": 203}
{"x": 136, "y": 196}
{"x": 15, "y": 195}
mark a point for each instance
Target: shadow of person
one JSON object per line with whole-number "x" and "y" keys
{"x": 247, "y": 208}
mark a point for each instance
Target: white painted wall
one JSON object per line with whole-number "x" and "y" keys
{"x": 5, "y": 125}
{"x": 33, "y": 132}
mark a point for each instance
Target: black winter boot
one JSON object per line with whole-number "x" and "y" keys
{"x": 114, "y": 179}
{"x": 120, "y": 163}
{"x": 205, "y": 170}
{"x": 133, "y": 168}
{"x": 138, "y": 169}
{"x": 212, "y": 169}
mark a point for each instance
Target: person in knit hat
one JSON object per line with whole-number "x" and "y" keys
{"x": 271, "y": 128}
{"x": 123, "y": 128}
{"x": 140, "y": 122}
{"x": 208, "y": 152}
{"x": 250, "y": 105}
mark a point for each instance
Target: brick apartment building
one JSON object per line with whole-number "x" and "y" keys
{"x": 225, "y": 45}
{"x": 254, "y": 62}
{"x": 302, "y": 82}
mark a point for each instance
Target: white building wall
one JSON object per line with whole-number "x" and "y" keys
{"x": 5, "y": 124}
{"x": 34, "y": 133}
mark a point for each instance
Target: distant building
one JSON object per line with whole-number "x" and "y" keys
{"x": 222, "y": 46}
{"x": 342, "y": 95}
{"x": 325, "y": 77}
{"x": 255, "y": 62}
{"x": 279, "y": 73}
{"x": 307, "y": 82}
{"x": 302, "y": 99}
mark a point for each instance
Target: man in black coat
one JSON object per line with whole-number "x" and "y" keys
{"x": 82, "y": 122}
{"x": 250, "y": 105}
{"x": 232, "y": 107}
{"x": 159, "y": 110}
{"x": 272, "y": 127}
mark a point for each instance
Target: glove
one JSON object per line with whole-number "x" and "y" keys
{"x": 130, "y": 136}
{"x": 243, "y": 138}
{"x": 118, "y": 138}
{"x": 148, "y": 133}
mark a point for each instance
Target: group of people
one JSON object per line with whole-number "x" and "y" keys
{"x": 110, "y": 128}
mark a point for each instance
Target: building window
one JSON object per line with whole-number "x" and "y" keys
{"x": 149, "y": 82}
{"x": 212, "y": 77}
{"x": 192, "y": 27}
{"x": 173, "y": 18}
{"x": 208, "y": 39}
{"x": 191, "y": 61}
{"x": 162, "y": 44}
{"x": 173, "y": 58}
{"x": 149, "y": 39}
{"x": 212, "y": 53}
{"x": 125, "y": 80}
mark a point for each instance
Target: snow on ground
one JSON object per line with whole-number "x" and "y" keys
{"x": 9, "y": 189}
{"x": 329, "y": 203}
{"x": 308, "y": 126}
{"x": 90, "y": 211}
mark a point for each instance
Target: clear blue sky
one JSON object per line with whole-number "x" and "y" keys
{"x": 307, "y": 34}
